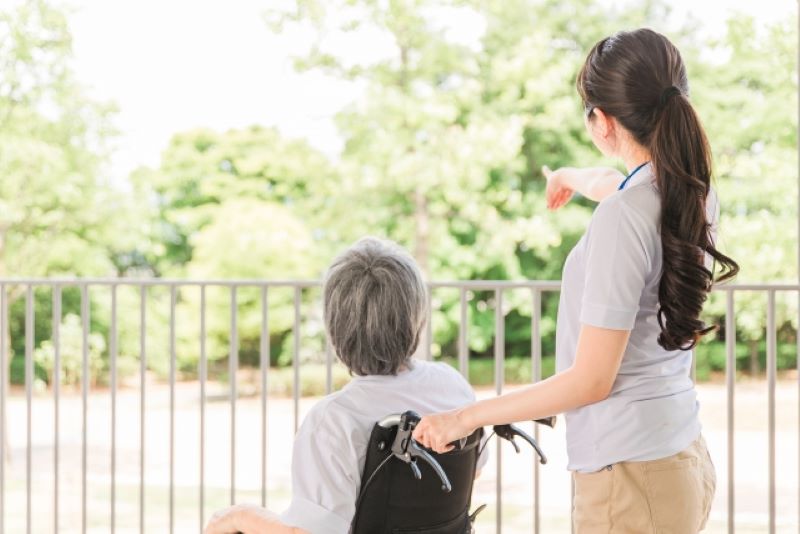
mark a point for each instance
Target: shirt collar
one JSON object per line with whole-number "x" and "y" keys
{"x": 410, "y": 372}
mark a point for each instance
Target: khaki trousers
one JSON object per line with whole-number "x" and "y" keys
{"x": 670, "y": 495}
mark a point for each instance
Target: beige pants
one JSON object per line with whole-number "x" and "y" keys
{"x": 671, "y": 495}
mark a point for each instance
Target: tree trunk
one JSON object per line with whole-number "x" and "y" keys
{"x": 422, "y": 230}
{"x": 755, "y": 368}
{"x": 5, "y": 350}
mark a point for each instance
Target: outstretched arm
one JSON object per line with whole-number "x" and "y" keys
{"x": 595, "y": 183}
{"x": 248, "y": 519}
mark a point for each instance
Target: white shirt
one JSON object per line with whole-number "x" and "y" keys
{"x": 611, "y": 280}
{"x": 331, "y": 445}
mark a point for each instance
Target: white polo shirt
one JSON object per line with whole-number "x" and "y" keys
{"x": 331, "y": 445}
{"x": 610, "y": 280}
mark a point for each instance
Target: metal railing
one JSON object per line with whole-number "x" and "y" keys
{"x": 25, "y": 289}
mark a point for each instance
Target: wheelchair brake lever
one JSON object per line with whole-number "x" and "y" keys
{"x": 415, "y": 469}
{"x": 415, "y": 451}
{"x": 407, "y": 450}
{"x": 508, "y": 432}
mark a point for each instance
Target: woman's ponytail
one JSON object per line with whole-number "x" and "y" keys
{"x": 639, "y": 78}
{"x": 681, "y": 160}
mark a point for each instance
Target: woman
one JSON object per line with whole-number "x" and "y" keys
{"x": 632, "y": 292}
{"x": 375, "y": 304}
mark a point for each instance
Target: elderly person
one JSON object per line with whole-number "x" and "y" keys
{"x": 374, "y": 303}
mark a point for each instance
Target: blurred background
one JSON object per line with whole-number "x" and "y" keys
{"x": 245, "y": 139}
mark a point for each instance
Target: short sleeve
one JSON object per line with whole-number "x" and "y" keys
{"x": 617, "y": 265}
{"x": 323, "y": 485}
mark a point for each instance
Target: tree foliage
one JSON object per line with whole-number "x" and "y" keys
{"x": 442, "y": 151}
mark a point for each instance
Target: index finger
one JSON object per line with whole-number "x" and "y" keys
{"x": 419, "y": 435}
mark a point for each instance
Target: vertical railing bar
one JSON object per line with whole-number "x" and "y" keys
{"x": 328, "y": 366}
{"x": 203, "y": 373}
{"x": 429, "y": 327}
{"x": 730, "y": 381}
{"x": 3, "y": 378}
{"x": 572, "y": 503}
{"x": 172, "y": 302}
{"x": 771, "y": 374}
{"x": 463, "y": 351}
{"x": 233, "y": 360}
{"x": 296, "y": 358}
{"x": 29, "y": 330}
{"x": 142, "y": 396}
{"x": 264, "y": 363}
{"x": 536, "y": 356}
{"x": 56, "y": 339}
{"x": 499, "y": 378}
{"x": 797, "y": 358}
{"x": 328, "y": 358}
{"x": 113, "y": 350}
{"x": 85, "y": 404}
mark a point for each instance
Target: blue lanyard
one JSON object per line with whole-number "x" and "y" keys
{"x": 625, "y": 182}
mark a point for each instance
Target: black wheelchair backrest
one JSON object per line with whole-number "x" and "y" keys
{"x": 403, "y": 491}
{"x": 406, "y": 488}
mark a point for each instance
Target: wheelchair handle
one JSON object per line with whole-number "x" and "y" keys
{"x": 394, "y": 420}
{"x": 547, "y": 421}
{"x": 390, "y": 420}
{"x": 407, "y": 450}
{"x": 509, "y": 432}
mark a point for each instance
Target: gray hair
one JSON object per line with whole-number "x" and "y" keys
{"x": 375, "y": 302}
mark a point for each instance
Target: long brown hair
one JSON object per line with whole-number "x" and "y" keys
{"x": 638, "y": 77}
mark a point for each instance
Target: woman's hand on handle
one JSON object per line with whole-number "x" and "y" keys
{"x": 438, "y": 431}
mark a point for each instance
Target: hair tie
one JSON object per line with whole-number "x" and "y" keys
{"x": 668, "y": 93}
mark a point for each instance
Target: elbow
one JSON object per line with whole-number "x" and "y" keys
{"x": 599, "y": 393}
{"x": 596, "y": 389}
{"x": 594, "y": 189}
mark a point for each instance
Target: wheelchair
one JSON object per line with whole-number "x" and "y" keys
{"x": 407, "y": 488}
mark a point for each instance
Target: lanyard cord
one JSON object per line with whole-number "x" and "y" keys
{"x": 627, "y": 178}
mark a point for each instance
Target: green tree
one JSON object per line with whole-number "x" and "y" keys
{"x": 55, "y": 208}
{"x": 253, "y": 240}
{"x": 240, "y": 204}
{"x": 58, "y": 214}
{"x": 201, "y": 170}
{"x": 752, "y": 126}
